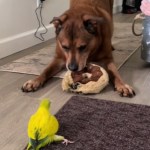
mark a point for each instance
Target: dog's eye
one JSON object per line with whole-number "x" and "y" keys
{"x": 82, "y": 48}
{"x": 66, "y": 48}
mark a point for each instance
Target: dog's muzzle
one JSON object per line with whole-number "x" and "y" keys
{"x": 73, "y": 66}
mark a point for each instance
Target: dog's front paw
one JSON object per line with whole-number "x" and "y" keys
{"x": 125, "y": 90}
{"x": 32, "y": 85}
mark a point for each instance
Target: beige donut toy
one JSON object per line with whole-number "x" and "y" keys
{"x": 91, "y": 80}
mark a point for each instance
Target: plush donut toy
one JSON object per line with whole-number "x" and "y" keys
{"x": 92, "y": 79}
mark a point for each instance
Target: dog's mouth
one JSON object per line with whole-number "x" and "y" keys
{"x": 80, "y": 70}
{"x": 77, "y": 69}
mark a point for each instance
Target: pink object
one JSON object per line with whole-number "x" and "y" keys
{"x": 145, "y": 7}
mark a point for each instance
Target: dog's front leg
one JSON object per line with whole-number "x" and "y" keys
{"x": 32, "y": 85}
{"x": 123, "y": 89}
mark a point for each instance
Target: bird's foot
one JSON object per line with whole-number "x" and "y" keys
{"x": 66, "y": 142}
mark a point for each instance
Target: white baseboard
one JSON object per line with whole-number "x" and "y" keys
{"x": 22, "y": 41}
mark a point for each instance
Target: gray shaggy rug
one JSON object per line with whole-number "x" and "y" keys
{"x": 103, "y": 125}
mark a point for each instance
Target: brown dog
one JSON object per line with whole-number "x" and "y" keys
{"x": 83, "y": 34}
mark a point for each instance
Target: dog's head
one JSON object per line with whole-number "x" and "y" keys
{"x": 77, "y": 37}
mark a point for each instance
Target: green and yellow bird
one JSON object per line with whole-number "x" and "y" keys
{"x": 42, "y": 128}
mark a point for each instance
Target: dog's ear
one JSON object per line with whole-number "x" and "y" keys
{"x": 58, "y": 21}
{"x": 91, "y": 23}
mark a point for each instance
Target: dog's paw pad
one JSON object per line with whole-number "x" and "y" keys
{"x": 31, "y": 85}
{"x": 125, "y": 91}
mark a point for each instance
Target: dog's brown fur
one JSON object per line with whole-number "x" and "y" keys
{"x": 83, "y": 35}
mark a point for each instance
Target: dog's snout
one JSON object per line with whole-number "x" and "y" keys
{"x": 73, "y": 66}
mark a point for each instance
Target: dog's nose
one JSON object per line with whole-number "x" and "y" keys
{"x": 73, "y": 67}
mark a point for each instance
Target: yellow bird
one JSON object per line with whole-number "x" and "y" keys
{"x": 42, "y": 128}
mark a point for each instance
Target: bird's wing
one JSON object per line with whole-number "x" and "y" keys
{"x": 53, "y": 125}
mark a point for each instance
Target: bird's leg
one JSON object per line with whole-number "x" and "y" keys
{"x": 66, "y": 142}
{"x": 58, "y": 138}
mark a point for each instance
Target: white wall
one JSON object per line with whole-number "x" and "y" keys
{"x": 117, "y": 6}
{"x": 18, "y": 22}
